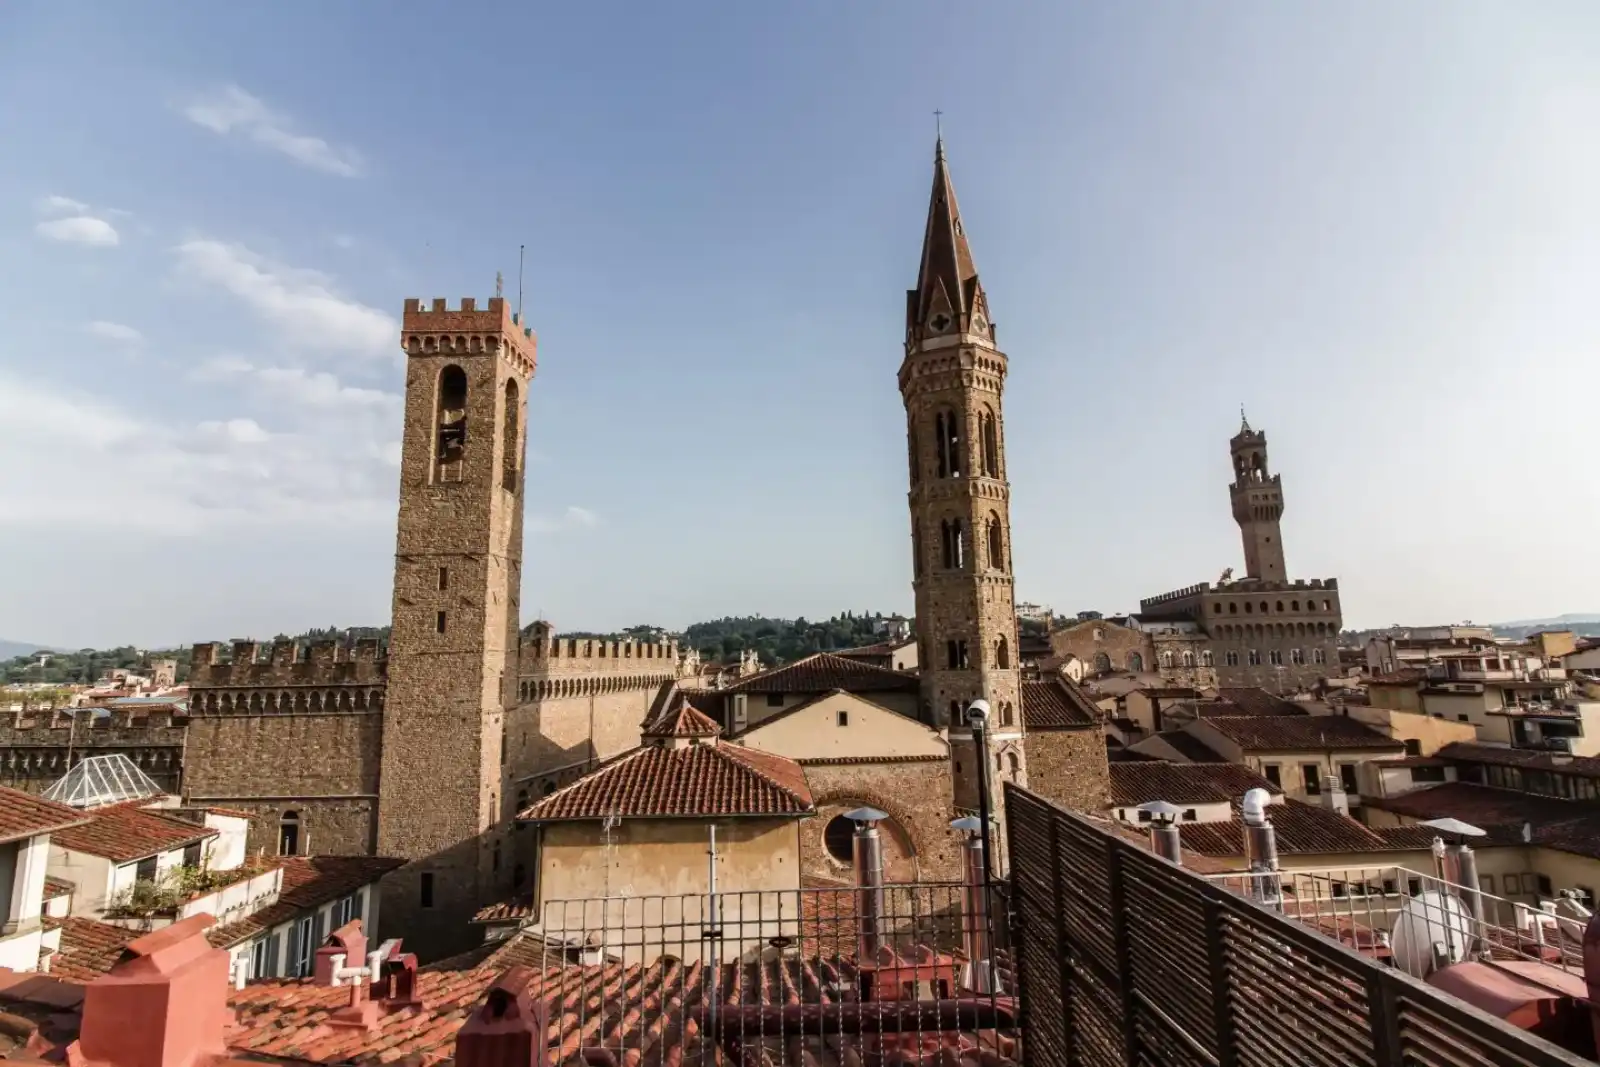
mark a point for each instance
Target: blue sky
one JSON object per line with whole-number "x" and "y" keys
{"x": 1377, "y": 226}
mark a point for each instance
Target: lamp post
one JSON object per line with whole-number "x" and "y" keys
{"x": 978, "y": 719}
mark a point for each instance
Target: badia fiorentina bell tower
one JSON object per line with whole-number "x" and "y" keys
{"x": 952, "y": 381}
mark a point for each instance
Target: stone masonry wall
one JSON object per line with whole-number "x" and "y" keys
{"x": 1070, "y": 768}
{"x": 35, "y": 747}
{"x": 914, "y": 791}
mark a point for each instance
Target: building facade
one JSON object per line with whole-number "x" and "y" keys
{"x": 952, "y": 381}
{"x": 1263, "y": 629}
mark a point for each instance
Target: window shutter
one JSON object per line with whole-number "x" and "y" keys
{"x": 357, "y": 899}
{"x": 272, "y": 955}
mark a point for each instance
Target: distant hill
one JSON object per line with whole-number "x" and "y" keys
{"x": 13, "y": 649}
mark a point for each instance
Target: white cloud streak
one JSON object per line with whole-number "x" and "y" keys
{"x": 229, "y": 110}
{"x": 317, "y": 389}
{"x": 62, "y": 205}
{"x": 573, "y": 518}
{"x": 301, "y": 304}
{"x": 115, "y": 332}
{"x": 81, "y": 230}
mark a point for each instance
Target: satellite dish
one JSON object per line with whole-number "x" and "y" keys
{"x": 1427, "y": 920}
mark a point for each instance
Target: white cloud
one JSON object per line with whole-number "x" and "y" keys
{"x": 231, "y": 110}
{"x": 115, "y": 331}
{"x": 300, "y": 303}
{"x": 573, "y": 518}
{"x": 317, "y": 389}
{"x": 80, "y": 229}
{"x": 70, "y": 456}
{"x": 62, "y": 205}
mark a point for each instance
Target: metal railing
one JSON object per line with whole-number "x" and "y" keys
{"x": 828, "y": 975}
{"x": 1126, "y": 958}
{"x": 1388, "y": 912}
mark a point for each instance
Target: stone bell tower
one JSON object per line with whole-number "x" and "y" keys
{"x": 1257, "y": 498}
{"x": 454, "y": 644}
{"x": 952, "y": 380}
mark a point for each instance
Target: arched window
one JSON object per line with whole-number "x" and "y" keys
{"x": 1233, "y": 608}
{"x": 1297, "y": 656}
{"x": 1207, "y": 659}
{"x": 913, "y": 454}
{"x": 839, "y": 838}
{"x": 1135, "y": 662}
{"x": 954, "y": 545}
{"x": 511, "y": 459}
{"x": 1002, "y": 653}
{"x": 1166, "y": 659}
{"x": 947, "y": 431}
{"x": 1008, "y": 714}
{"x": 450, "y": 424}
{"x": 1013, "y": 765}
{"x": 991, "y": 444}
{"x": 1188, "y": 659}
{"x": 1254, "y": 657}
{"x": 522, "y": 800}
{"x": 1102, "y": 663}
{"x": 1232, "y": 658}
{"x": 1275, "y": 657}
{"x": 997, "y": 549}
{"x": 289, "y": 841}
{"x": 1318, "y": 656}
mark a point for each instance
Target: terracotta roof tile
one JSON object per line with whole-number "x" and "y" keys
{"x": 88, "y": 948}
{"x": 717, "y": 779}
{"x": 1253, "y": 700}
{"x": 125, "y": 832}
{"x": 1301, "y": 829}
{"x": 823, "y": 673}
{"x": 1285, "y": 733}
{"x": 25, "y": 815}
{"x": 1186, "y": 745}
{"x": 683, "y": 719}
{"x": 1057, "y": 704}
{"x": 308, "y": 882}
{"x": 55, "y": 887}
{"x": 1582, "y": 766}
{"x": 825, "y": 761}
{"x": 514, "y": 909}
{"x": 1183, "y": 783}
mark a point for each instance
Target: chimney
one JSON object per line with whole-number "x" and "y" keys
{"x": 164, "y": 1003}
{"x": 1333, "y": 794}
{"x": 1260, "y": 847}
{"x": 1165, "y": 839}
{"x": 396, "y": 981}
{"x": 345, "y": 944}
{"x": 980, "y": 975}
{"x": 508, "y": 1029}
{"x": 869, "y": 878}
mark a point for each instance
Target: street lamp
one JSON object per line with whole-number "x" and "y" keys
{"x": 978, "y": 719}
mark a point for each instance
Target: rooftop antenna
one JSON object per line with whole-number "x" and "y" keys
{"x": 938, "y": 123}
{"x": 520, "y": 250}
{"x": 499, "y": 284}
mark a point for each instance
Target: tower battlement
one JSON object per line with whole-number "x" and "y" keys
{"x": 288, "y": 663}
{"x": 130, "y": 725}
{"x": 436, "y": 329}
{"x": 544, "y": 654}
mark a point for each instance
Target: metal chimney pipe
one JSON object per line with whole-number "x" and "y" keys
{"x": 1165, "y": 840}
{"x": 1470, "y": 894}
{"x": 978, "y": 719}
{"x": 869, "y": 879}
{"x": 1260, "y": 847}
{"x": 976, "y": 931}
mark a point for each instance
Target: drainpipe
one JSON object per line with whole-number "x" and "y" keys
{"x": 1261, "y": 847}
{"x": 869, "y": 879}
{"x": 1165, "y": 839}
{"x": 979, "y": 977}
{"x": 978, "y": 719}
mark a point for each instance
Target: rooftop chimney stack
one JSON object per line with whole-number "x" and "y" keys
{"x": 1334, "y": 797}
{"x": 980, "y": 976}
{"x": 1261, "y": 848}
{"x": 1165, "y": 839}
{"x": 869, "y": 877}
{"x": 508, "y": 1028}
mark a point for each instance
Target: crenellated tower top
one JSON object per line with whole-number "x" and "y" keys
{"x": 437, "y": 329}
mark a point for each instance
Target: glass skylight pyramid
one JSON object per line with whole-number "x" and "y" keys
{"x": 100, "y": 780}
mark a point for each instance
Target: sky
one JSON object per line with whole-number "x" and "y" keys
{"x": 1374, "y": 226}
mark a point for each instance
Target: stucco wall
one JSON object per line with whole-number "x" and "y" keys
{"x": 815, "y": 732}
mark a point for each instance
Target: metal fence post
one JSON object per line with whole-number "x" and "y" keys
{"x": 1124, "y": 950}
{"x": 1384, "y": 1007}
{"x": 1221, "y": 1002}
{"x": 1063, "y": 946}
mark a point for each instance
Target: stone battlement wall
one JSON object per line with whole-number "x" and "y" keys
{"x": 288, "y": 663}
{"x": 118, "y": 725}
{"x": 436, "y": 330}
{"x": 544, "y": 658}
{"x": 36, "y": 748}
{"x": 1242, "y": 587}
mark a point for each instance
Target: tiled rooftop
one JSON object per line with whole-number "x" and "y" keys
{"x": 823, "y": 673}
{"x": 1583, "y": 766}
{"x": 55, "y": 887}
{"x": 1186, "y": 746}
{"x": 308, "y": 882}
{"x": 1290, "y": 733}
{"x": 716, "y": 779}
{"x": 1301, "y": 829}
{"x": 683, "y": 719}
{"x": 126, "y": 832}
{"x": 24, "y": 815}
{"x": 1566, "y": 825}
{"x": 1253, "y": 700}
{"x": 88, "y": 948}
{"x": 1057, "y": 704}
{"x": 1182, "y": 783}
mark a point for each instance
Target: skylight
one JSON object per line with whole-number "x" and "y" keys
{"x": 100, "y": 780}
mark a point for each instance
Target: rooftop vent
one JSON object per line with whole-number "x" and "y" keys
{"x": 100, "y": 780}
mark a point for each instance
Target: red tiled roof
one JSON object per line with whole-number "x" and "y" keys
{"x": 1301, "y": 828}
{"x": 1507, "y": 815}
{"x": 718, "y": 779}
{"x": 24, "y": 815}
{"x": 1185, "y": 745}
{"x": 515, "y": 909}
{"x": 1582, "y": 766}
{"x": 308, "y": 882}
{"x": 1287, "y": 733}
{"x": 823, "y": 673}
{"x": 1183, "y": 783}
{"x": 122, "y": 833}
{"x": 823, "y": 761}
{"x": 55, "y": 887}
{"x": 683, "y": 720}
{"x": 88, "y": 948}
{"x": 1253, "y": 700}
{"x": 1057, "y": 704}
